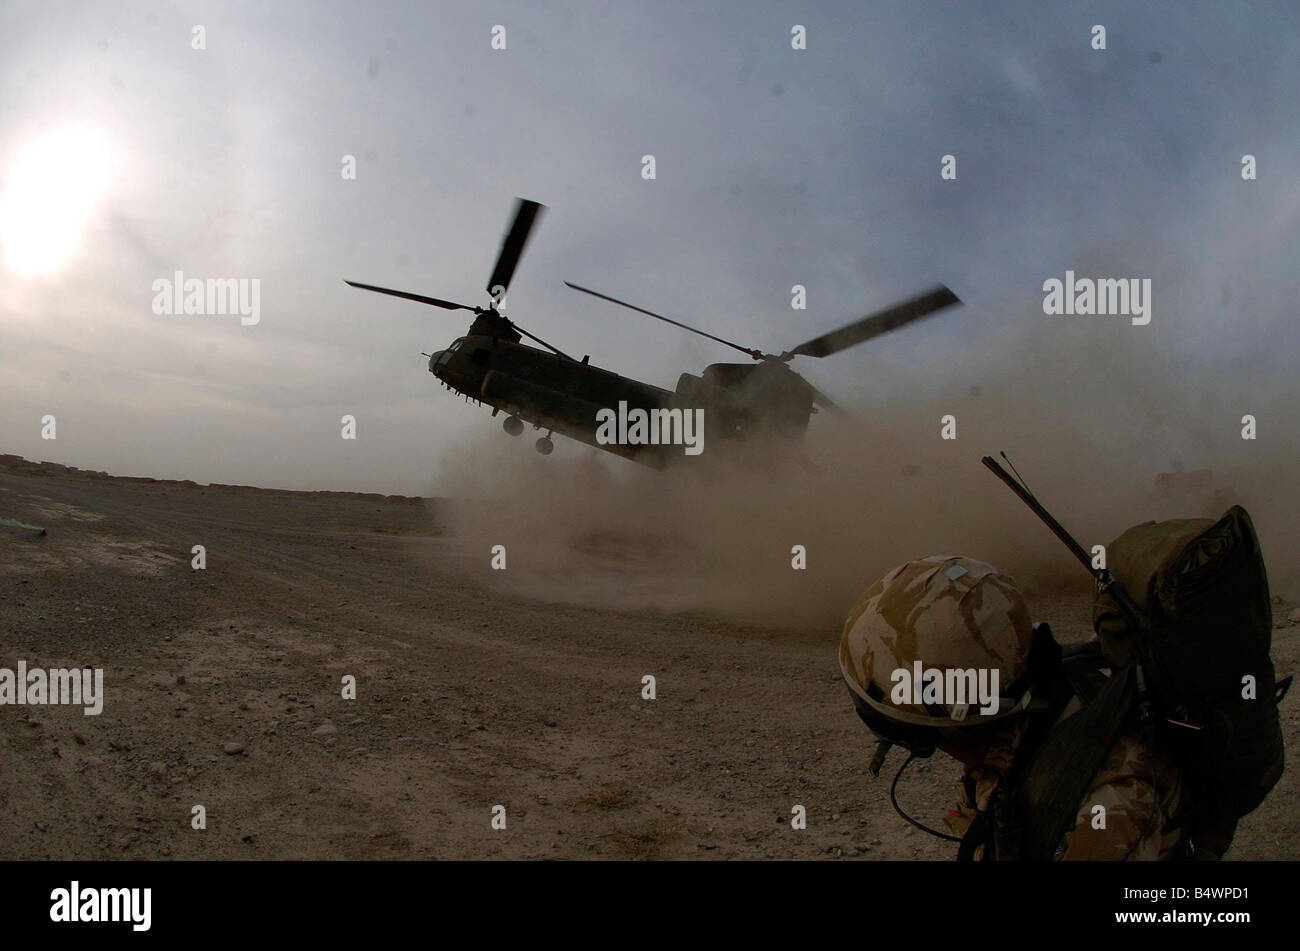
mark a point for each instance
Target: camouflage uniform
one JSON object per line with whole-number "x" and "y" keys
{"x": 952, "y": 612}
{"x": 1122, "y": 786}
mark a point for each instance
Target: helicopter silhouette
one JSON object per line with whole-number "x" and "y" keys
{"x": 739, "y": 403}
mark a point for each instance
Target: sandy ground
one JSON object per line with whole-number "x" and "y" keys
{"x": 224, "y": 690}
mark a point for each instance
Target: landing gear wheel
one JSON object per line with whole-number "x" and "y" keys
{"x": 545, "y": 446}
{"x": 513, "y": 425}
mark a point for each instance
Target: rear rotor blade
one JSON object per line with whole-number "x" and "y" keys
{"x": 512, "y": 248}
{"x": 821, "y": 399}
{"x": 420, "y": 298}
{"x": 875, "y": 324}
{"x": 537, "y": 339}
{"x": 756, "y": 354}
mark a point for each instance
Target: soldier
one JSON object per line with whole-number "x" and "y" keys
{"x": 933, "y": 626}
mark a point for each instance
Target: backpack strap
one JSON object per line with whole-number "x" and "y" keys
{"x": 1082, "y": 665}
{"x": 1055, "y": 782}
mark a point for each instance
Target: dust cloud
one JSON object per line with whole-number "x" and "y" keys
{"x": 1090, "y": 425}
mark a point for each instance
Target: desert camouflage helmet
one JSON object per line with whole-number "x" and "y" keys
{"x": 948, "y": 613}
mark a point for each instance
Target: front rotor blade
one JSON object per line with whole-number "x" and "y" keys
{"x": 420, "y": 298}
{"x": 875, "y": 324}
{"x": 512, "y": 248}
{"x": 756, "y": 354}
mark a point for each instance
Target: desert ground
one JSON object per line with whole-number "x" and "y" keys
{"x": 223, "y": 689}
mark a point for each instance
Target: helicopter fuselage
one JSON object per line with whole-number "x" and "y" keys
{"x": 563, "y": 395}
{"x": 728, "y": 403}
{"x": 549, "y": 391}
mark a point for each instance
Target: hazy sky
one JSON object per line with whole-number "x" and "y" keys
{"x": 775, "y": 166}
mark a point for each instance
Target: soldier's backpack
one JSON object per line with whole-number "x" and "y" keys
{"x": 1203, "y": 587}
{"x": 1202, "y": 640}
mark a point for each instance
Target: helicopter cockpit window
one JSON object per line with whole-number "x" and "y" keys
{"x": 446, "y": 354}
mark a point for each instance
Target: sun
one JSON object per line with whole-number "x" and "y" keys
{"x": 51, "y": 185}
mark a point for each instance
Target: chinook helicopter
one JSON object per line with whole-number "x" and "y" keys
{"x": 555, "y": 392}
